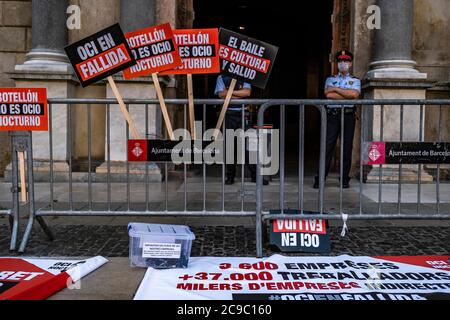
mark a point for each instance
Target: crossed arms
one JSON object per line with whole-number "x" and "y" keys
{"x": 237, "y": 94}
{"x": 335, "y": 93}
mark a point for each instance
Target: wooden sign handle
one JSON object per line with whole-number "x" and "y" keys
{"x": 163, "y": 106}
{"x": 190, "y": 87}
{"x": 123, "y": 108}
{"x": 225, "y": 107}
{"x": 23, "y": 182}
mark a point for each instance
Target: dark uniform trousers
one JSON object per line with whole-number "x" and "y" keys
{"x": 333, "y": 132}
{"x": 233, "y": 120}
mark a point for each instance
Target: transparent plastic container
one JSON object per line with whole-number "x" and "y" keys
{"x": 160, "y": 246}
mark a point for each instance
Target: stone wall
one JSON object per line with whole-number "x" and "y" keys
{"x": 431, "y": 38}
{"x": 15, "y": 42}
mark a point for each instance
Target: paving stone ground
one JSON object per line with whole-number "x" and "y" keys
{"x": 112, "y": 241}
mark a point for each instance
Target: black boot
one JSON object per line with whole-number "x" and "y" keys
{"x": 265, "y": 181}
{"x": 346, "y": 183}
{"x": 316, "y": 183}
{"x": 229, "y": 181}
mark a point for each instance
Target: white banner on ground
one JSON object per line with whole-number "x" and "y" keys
{"x": 301, "y": 278}
{"x": 37, "y": 279}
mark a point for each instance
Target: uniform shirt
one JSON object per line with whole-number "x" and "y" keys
{"x": 220, "y": 86}
{"x": 343, "y": 82}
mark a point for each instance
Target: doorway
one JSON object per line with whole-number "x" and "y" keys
{"x": 304, "y": 37}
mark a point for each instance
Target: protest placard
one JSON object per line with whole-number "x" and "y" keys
{"x": 199, "y": 52}
{"x": 245, "y": 59}
{"x": 23, "y": 109}
{"x": 155, "y": 50}
{"x": 100, "y": 56}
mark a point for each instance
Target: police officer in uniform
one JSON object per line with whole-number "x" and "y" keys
{"x": 341, "y": 87}
{"x": 233, "y": 120}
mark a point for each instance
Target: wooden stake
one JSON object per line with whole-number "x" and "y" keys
{"x": 123, "y": 108}
{"x": 191, "y": 105}
{"x": 23, "y": 182}
{"x": 225, "y": 107}
{"x": 163, "y": 106}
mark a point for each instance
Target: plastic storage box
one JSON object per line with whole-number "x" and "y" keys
{"x": 160, "y": 246}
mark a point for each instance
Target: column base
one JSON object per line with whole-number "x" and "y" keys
{"x": 137, "y": 172}
{"x": 394, "y": 69}
{"x": 391, "y": 175}
{"x": 41, "y": 171}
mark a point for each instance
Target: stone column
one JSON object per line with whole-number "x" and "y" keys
{"x": 392, "y": 50}
{"x": 392, "y": 75}
{"x": 49, "y": 33}
{"x": 134, "y": 15}
{"x": 47, "y": 66}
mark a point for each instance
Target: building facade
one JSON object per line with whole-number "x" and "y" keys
{"x": 408, "y": 57}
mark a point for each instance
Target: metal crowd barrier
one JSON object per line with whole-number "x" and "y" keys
{"x": 263, "y": 214}
{"x": 198, "y": 207}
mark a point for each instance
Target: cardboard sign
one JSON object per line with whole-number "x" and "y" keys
{"x": 199, "y": 51}
{"x": 408, "y": 153}
{"x": 154, "y": 49}
{"x": 303, "y": 235}
{"x": 246, "y": 59}
{"x": 162, "y": 150}
{"x": 100, "y": 55}
{"x": 23, "y": 109}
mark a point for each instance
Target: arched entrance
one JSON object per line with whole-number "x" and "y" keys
{"x": 306, "y": 35}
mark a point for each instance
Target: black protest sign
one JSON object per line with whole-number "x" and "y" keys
{"x": 417, "y": 153}
{"x": 245, "y": 58}
{"x": 100, "y": 55}
{"x": 302, "y": 235}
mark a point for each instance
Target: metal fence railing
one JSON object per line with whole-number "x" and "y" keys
{"x": 367, "y": 133}
{"x": 199, "y": 190}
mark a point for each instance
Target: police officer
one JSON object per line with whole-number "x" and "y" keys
{"x": 341, "y": 87}
{"x": 233, "y": 119}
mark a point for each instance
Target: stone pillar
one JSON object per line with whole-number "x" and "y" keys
{"x": 392, "y": 76}
{"x": 134, "y": 15}
{"x": 47, "y": 66}
{"x": 392, "y": 50}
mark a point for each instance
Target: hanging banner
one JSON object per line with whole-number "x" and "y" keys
{"x": 302, "y": 278}
{"x": 302, "y": 235}
{"x": 186, "y": 151}
{"x": 154, "y": 49}
{"x": 407, "y": 153}
{"x": 246, "y": 59}
{"x": 199, "y": 51}
{"x": 100, "y": 55}
{"x": 23, "y": 109}
{"x": 38, "y": 279}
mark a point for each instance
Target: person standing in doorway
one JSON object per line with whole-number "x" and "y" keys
{"x": 233, "y": 119}
{"x": 341, "y": 87}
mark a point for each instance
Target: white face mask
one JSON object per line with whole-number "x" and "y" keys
{"x": 344, "y": 66}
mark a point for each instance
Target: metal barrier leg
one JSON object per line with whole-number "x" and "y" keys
{"x": 259, "y": 186}
{"x": 11, "y": 223}
{"x": 19, "y": 143}
{"x": 48, "y": 232}
{"x": 32, "y": 208}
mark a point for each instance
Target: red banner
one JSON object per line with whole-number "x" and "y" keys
{"x": 23, "y": 109}
{"x": 37, "y": 279}
{"x": 154, "y": 49}
{"x": 317, "y": 226}
{"x": 199, "y": 51}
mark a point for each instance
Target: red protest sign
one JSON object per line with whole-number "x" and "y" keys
{"x": 199, "y": 51}
{"x": 154, "y": 49}
{"x": 23, "y": 109}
